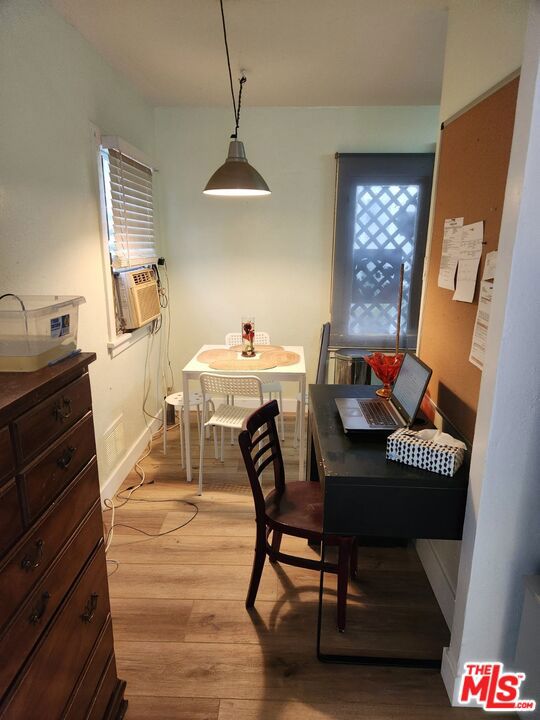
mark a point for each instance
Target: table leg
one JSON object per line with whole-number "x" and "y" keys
{"x": 187, "y": 438}
{"x": 301, "y": 444}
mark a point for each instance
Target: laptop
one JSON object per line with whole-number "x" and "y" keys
{"x": 369, "y": 414}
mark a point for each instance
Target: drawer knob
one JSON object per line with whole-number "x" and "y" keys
{"x": 62, "y": 410}
{"x": 90, "y": 608}
{"x": 32, "y": 560}
{"x": 66, "y": 457}
{"x": 39, "y": 610}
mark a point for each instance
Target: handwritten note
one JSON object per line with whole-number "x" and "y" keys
{"x": 469, "y": 260}
{"x": 450, "y": 252}
{"x": 481, "y": 324}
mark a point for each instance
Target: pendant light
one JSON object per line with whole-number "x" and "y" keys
{"x": 236, "y": 177}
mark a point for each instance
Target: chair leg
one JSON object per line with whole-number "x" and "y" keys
{"x": 258, "y": 565}
{"x": 343, "y": 581}
{"x": 223, "y": 444}
{"x": 354, "y": 559}
{"x": 199, "y": 421}
{"x": 281, "y": 420}
{"x": 181, "y": 428}
{"x": 276, "y": 543}
{"x": 201, "y": 459}
{"x": 232, "y": 429}
{"x": 296, "y": 424}
{"x": 164, "y": 427}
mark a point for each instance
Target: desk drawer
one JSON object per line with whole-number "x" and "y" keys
{"x": 11, "y": 527}
{"x": 7, "y": 464}
{"x": 65, "y": 649}
{"x": 35, "y": 553}
{"x": 23, "y": 633}
{"x": 53, "y": 472}
{"x": 38, "y": 427}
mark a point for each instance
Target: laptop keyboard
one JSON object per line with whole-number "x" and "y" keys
{"x": 376, "y": 413}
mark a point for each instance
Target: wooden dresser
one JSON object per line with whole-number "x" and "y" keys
{"x": 56, "y": 642}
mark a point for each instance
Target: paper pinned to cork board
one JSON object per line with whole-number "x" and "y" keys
{"x": 450, "y": 252}
{"x": 469, "y": 260}
{"x": 479, "y": 340}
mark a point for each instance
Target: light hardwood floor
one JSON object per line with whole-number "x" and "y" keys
{"x": 188, "y": 648}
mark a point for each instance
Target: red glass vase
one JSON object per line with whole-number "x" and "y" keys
{"x": 386, "y": 368}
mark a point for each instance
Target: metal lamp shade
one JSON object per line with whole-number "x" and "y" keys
{"x": 236, "y": 177}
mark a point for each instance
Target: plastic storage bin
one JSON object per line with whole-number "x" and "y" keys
{"x": 36, "y": 330}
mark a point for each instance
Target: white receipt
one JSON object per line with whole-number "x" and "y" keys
{"x": 481, "y": 324}
{"x": 469, "y": 260}
{"x": 450, "y": 252}
{"x": 491, "y": 266}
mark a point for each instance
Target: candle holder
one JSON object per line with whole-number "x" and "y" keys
{"x": 248, "y": 337}
{"x": 386, "y": 368}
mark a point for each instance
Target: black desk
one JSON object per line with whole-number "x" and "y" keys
{"x": 365, "y": 494}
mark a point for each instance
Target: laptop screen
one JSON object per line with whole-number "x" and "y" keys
{"x": 410, "y": 386}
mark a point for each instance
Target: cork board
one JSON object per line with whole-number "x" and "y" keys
{"x": 473, "y": 165}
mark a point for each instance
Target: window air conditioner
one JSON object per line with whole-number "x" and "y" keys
{"x": 138, "y": 298}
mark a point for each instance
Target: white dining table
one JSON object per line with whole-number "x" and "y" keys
{"x": 285, "y": 373}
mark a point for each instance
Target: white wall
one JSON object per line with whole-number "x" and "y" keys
{"x": 484, "y": 44}
{"x": 501, "y": 540}
{"x": 53, "y": 84}
{"x": 268, "y": 256}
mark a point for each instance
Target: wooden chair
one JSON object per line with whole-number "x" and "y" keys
{"x": 320, "y": 378}
{"x": 293, "y": 508}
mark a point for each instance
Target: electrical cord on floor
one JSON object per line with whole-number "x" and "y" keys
{"x": 121, "y": 494}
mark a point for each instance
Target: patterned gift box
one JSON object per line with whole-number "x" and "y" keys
{"x": 406, "y": 446}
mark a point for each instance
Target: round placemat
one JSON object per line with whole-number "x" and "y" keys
{"x": 265, "y": 362}
{"x": 257, "y": 348}
{"x": 209, "y": 356}
{"x": 282, "y": 357}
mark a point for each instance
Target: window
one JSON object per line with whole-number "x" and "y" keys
{"x": 130, "y": 210}
{"x": 382, "y": 210}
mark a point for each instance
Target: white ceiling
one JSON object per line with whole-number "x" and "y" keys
{"x": 295, "y": 52}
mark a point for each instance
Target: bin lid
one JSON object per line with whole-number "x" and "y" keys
{"x": 12, "y": 305}
{"x": 351, "y": 353}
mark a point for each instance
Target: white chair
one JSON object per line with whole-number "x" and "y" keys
{"x": 226, "y": 415}
{"x": 261, "y": 338}
{"x": 177, "y": 401}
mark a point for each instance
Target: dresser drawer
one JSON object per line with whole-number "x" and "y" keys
{"x": 54, "y": 471}
{"x": 7, "y": 463}
{"x": 24, "y": 631}
{"x": 37, "y": 550}
{"x": 38, "y": 427}
{"x": 91, "y": 681}
{"x": 11, "y": 527}
{"x": 105, "y": 692}
{"x": 64, "y": 649}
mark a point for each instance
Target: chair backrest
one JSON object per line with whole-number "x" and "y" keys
{"x": 259, "y": 443}
{"x": 235, "y": 338}
{"x": 238, "y": 385}
{"x": 323, "y": 355}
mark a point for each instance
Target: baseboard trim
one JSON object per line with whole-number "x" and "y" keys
{"x": 443, "y": 589}
{"x": 124, "y": 467}
{"x": 450, "y": 676}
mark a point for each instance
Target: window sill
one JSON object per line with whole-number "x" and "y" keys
{"x": 126, "y": 340}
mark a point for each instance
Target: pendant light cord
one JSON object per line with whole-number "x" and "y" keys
{"x": 242, "y": 79}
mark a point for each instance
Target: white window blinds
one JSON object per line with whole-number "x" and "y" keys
{"x": 130, "y": 210}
